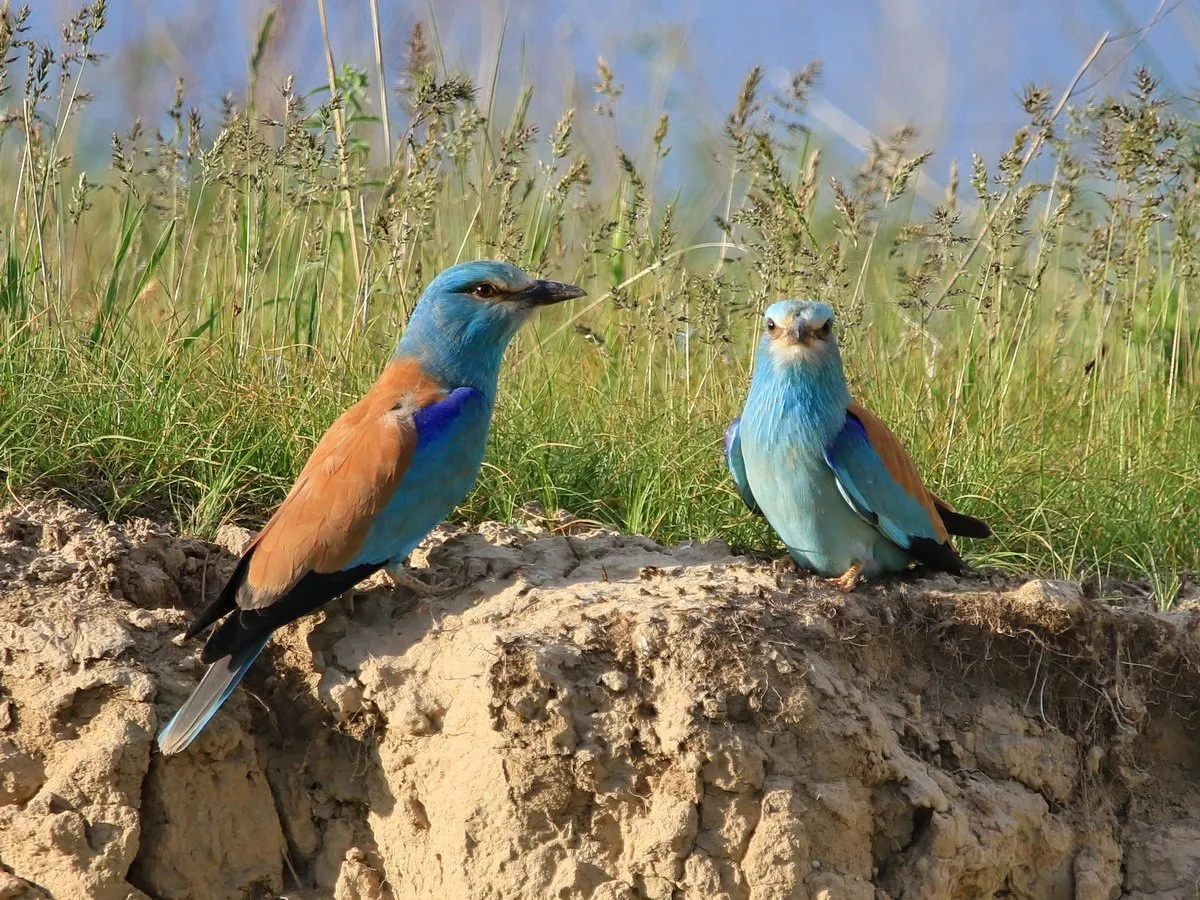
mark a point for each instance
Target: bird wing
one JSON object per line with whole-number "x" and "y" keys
{"x": 737, "y": 466}
{"x": 897, "y": 459}
{"x": 348, "y": 480}
{"x": 877, "y": 477}
{"x": 306, "y": 553}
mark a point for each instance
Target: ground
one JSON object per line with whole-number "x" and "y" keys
{"x": 584, "y": 714}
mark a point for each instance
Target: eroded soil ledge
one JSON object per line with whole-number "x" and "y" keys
{"x": 584, "y": 714}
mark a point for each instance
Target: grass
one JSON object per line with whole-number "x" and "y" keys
{"x": 178, "y": 330}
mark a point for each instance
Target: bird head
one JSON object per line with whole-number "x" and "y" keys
{"x": 468, "y": 314}
{"x": 798, "y": 375}
{"x": 799, "y": 332}
{"x": 491, "y": 298}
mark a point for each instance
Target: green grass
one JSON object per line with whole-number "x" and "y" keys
{"x": 179, "y": 330}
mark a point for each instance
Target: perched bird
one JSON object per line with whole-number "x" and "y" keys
{"x": 834, "y": 483}
{"x": 384, "y": 474}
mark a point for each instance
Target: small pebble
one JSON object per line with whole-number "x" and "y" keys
{"x": 617, "y": 682}
{"x": 142, "y": 619}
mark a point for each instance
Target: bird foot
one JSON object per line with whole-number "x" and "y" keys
{"x": 401, "y": 577}
{"x": 848, "y": 581}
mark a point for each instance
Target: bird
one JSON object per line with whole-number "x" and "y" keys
{"x": 384, "y": 474}
{"x": 833, "y": 482}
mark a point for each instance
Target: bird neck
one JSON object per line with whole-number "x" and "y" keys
{"x": 807, "y": 401}
{"x": 458, "y": 351}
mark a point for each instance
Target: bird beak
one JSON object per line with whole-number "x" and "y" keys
{"x": 801, "y": 332}
{"x": 544, "y": 293}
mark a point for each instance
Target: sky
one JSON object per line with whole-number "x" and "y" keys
{"x": 954, "y": 68}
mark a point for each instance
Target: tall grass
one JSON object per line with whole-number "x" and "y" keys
{"x": 179, "y": 329}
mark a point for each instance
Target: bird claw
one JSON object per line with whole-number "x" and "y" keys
{"x": 401, "y": 577}
{"x": 848, "y": 581}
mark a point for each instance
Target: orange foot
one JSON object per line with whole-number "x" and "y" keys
{"x": 848, "y": 581}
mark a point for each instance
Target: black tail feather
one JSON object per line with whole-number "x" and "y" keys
{"x": 937, "y": 555}
{"x": 247, "y": 627}
{"x": 225, "y": 602}
{"x": 962, "y": 524}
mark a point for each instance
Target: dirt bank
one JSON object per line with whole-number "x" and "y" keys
{"x": 583, "y": 714}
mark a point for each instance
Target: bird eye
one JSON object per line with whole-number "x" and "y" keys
{"x": 826, "y": 329}
{"x": 484, "y": 291}
{"x": 770, "y": 324}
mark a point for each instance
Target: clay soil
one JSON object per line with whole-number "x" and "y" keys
{"x": 584, "y": 714}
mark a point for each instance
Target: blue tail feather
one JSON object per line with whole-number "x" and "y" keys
{"x": 218, "y": 683}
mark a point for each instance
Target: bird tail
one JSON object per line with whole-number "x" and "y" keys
{"x": 214, "y": 689}
{"x": 960, "y": 523}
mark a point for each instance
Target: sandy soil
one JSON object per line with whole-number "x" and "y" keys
{"x": 584, "y": 714}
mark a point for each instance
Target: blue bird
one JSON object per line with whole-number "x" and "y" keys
{"x": 382, "y": 477}
{"x": 836, "y": 485}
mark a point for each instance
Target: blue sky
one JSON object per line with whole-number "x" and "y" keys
{"x": 955, "y": 68}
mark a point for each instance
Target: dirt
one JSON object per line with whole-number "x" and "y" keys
{"x": 585, "y": 714}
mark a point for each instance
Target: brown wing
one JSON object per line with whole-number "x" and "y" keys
{"x": 349, "y": 478}
{"x": 900, "y": 465}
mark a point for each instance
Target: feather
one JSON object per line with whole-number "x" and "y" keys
{"x": 898, "y": 464}
{"x": 871, "y": 489}
{"x": 960, "y": 523}
{"x": 737, "y": 466}
{"x": 302, "y": 558}
{"x": 350, "y": 476}
{"x": 939, "y": 555}
{"x": 896, "y": 458}
{"x": 214, "y": 689}
{"x": 433, "y": 421}
{"x": 247, "y": 627}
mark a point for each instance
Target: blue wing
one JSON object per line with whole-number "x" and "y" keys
{"x": 885, "y": 490}
{"x": 737, "y": 466}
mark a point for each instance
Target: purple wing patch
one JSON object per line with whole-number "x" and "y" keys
{"x": 853, "y": 423}
{"x": 433, "y": 420}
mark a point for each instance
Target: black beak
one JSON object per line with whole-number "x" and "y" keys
{"x": 544, "y": 293}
